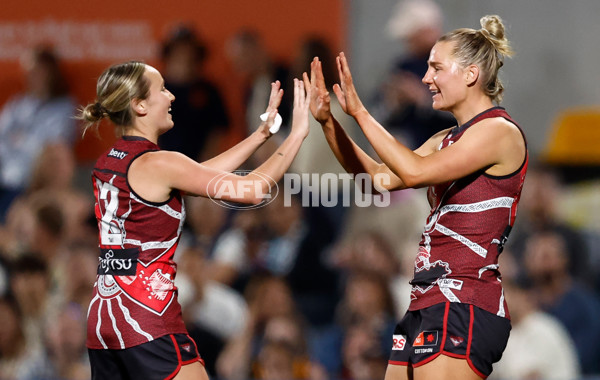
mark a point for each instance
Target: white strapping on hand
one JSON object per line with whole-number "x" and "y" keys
{"x": 276, "y": 123}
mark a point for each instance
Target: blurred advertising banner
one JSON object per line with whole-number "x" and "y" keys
{"x": 89, "y": 36}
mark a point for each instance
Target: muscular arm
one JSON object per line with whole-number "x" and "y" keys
{"x": 494, "y": 145}
{"x": 234, "y": 157}
{"x": 352, "y": 158}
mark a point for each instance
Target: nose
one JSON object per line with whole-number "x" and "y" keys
{"x": 171, "y": 96}
{"x": 427, "y": 78}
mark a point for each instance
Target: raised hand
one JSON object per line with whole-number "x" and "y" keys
{"x": 319, "y": 96}
{"x": 274, "y": 102}
{"x": 302, "y": 98}
{"x": 345, "y": 91}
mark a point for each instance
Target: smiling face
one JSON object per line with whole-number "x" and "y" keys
{"x": 445, "y": 78}
{"x": 157, "y": 105}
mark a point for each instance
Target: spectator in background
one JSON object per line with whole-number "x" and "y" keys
{"x": 363, "y": 356}
{"x": 41, "y": 115}
{"x": 234, "y": 258}
{"x": 268, "y": 297}
{"x": 367, "y": 301}
{"x": 298, "y": 238}
{"x": 52, "y": 182}
{"x": 404, "y": 105}
{"x": 284, "y": 352}
{"x": 251, "y": 59}
{"x": 285, "y": 240}
{"x": 371, "y": 251}
{"x": 546, "y": 262}
{"x": 18, "y": 360}
{"x": 30, "y": 285}
{"x": 539, "y": 347}
{"x": 276, "y": 361}
{"x": 539, "y": 211}
{"x": 65, "y": 340}
{"x": 213, "y": 312}
{"x": 202, "y": 232}
{"x": 200, "y": 115}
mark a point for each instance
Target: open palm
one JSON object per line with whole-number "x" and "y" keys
{"x": 345, "y": 91}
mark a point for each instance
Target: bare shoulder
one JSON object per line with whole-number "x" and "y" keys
{"x": 150, "y": 175}
{"x": 504, "y": 140}
{"x": 158, "y": 160}
{"x": 497, "y": 125}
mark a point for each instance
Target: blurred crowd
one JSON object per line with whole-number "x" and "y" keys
{"x": 282, "y": 291}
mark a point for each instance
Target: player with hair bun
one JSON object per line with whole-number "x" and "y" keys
{"x": 457, "y": 324}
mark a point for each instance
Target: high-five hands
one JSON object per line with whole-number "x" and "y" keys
{"x": 319, "y": 96}
{"x": 302, "y": 96}
{"x": 267, "y": 126}
{"x": 320, "y": 102}
{"x": 345, "y": 91}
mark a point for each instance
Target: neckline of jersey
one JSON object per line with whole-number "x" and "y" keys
{"x": 460, "y": 128}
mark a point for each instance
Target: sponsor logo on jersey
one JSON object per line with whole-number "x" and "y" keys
{"x": 399, "y": 342}
{"x": 426, "y": 338}
{"x": 118, "y": 262}
{"x": 456, "y": 340}
{"x": 450, "y": 283}
{"x": 118, "y": 154}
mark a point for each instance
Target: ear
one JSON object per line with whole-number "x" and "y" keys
{"x": 139, "y": 106}
{"x": 471, "y": 75}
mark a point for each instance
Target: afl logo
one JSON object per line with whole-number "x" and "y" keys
{"x": 226, "y": 186}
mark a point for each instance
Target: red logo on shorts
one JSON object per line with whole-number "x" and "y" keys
{"x": 187, "y": 347}
{"x": 399, "y": 342}
{"x": 456, "y": 340}
{"x": 426, "y": 338}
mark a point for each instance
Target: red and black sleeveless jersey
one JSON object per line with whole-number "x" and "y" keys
{"x": 465, "y": 232}
{"x": 135, "y": 300}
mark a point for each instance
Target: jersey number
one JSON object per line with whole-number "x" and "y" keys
{"x": 110, "y": 232}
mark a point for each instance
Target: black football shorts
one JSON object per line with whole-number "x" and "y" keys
{"x": 457, "y": 330}
{"x": 161, "y": 358}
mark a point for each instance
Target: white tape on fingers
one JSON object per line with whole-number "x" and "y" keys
{"x": 276, "y": 123}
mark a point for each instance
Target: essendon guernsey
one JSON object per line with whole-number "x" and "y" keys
{"x": 134, "y": 300}
{"x": 464, "y": 234}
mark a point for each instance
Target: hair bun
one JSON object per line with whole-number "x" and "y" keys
{"x": 93, "y": 112}
{"x": 492, "y": 24}
{"x": 492, "y": 29}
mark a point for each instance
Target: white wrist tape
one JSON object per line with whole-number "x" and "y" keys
{"x": 276, "y": 123}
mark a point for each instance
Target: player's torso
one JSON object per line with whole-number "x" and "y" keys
{"x": 468, "y": 225}
{"x": 134, "y": 295}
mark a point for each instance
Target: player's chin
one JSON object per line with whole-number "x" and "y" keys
{"x": 168, "y": 126}
{"x": 439, "y": 106}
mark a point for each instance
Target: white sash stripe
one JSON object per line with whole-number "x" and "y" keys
{"x": 152, "y": 244}
{"x": 472, "y": 246}
{"x": 488, "y": 267}
{"x": 501, "y": 312}
{"x": 91, "y": 303}
{"x": 114, "y": 323}
{"x": 132, "y": 322}
{"x": 501, "y": 202}
{"x": 449, "y": 295}
{"x": 165, "y": 208}
{"x": 99, "y": 324}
